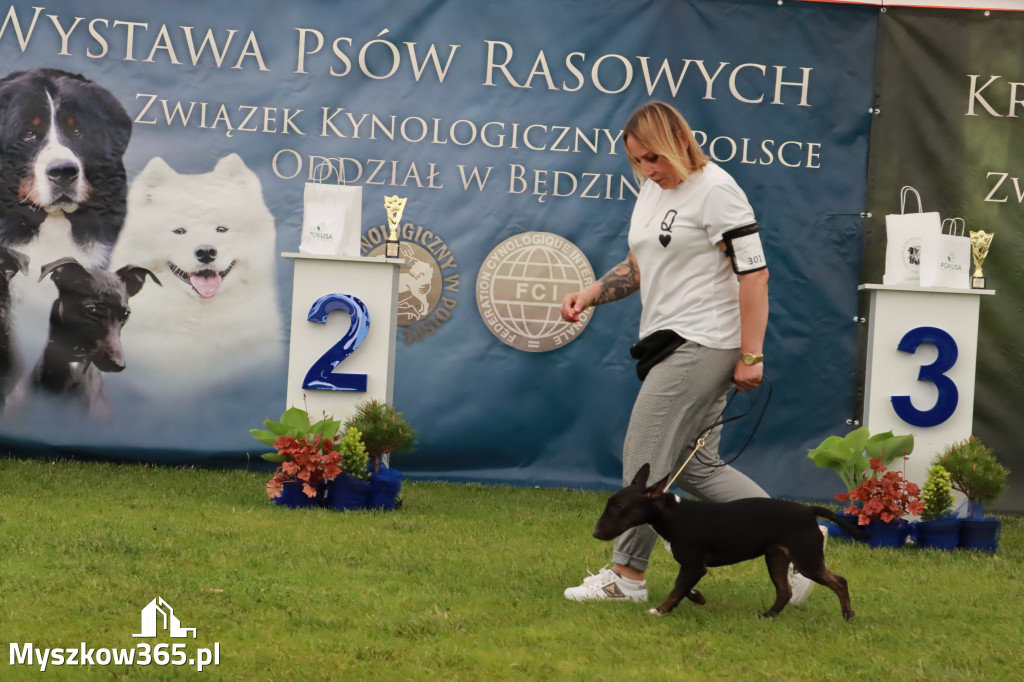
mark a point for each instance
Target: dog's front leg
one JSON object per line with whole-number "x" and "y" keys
{"x": 689, "y": 576}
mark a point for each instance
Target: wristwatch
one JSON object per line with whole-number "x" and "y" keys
{"x": 751, "y": 359}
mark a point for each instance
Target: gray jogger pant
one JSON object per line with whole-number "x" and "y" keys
{"x": 681, "y": 396}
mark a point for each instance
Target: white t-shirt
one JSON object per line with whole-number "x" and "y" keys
{"x": 686, "y": 282}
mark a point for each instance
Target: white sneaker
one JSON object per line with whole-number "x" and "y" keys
{"x": 608, "y": 584}
{"x": 801, "y": 586}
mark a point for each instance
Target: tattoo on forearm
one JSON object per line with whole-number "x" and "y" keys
{"x": 621, "y": 281}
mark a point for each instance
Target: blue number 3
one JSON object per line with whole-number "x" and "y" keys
{"x": 945, "y": 406}
{"x": 321, "y": 374}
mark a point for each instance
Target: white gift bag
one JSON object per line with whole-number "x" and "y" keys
{"x": 946, "y": 257}
{"x": 331, "y": 219}
{"x": 903, "y": 235}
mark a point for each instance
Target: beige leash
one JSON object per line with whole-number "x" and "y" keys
{"x": 700, "y": 438}
{"x": 700, "y": 441}
{"x": 698, "y": 446}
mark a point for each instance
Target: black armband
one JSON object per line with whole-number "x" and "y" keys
{"x": 743, "y": 247}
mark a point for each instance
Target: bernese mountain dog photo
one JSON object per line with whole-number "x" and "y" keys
{"x": 62, "y": 183}
{"x": 62, "y": 180}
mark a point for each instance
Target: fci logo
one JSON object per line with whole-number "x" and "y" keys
{"x": 158, "y": 614}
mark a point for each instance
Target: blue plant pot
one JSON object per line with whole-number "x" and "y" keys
{"x": 293, "y": 497}
{"x": 982, "y": 535}
{"x": 940, "y": 533}
{"x": 346, "y": 492}
{"x": 384, "y": 488}
{"x": 892, "y": 534}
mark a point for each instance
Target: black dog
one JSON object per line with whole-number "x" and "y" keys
{"x": 703, "y": 534}
{"x": 11, "y": 263}
{"x": 62, "y": 137}
{"x": 85, "y": 330}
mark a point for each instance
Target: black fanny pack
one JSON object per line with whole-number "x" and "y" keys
{"x": 654, "y": 348}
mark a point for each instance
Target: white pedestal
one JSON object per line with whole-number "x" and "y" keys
{"x": 339, "y": 283}
{"x": 921, "y": 357}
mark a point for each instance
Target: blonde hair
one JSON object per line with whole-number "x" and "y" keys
{"x": 662, "y": 129}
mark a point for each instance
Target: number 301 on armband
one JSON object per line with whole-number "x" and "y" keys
{"x": 321, "y": 375}
{"x": 935, "y": 373}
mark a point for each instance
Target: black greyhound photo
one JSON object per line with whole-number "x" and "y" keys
{"x": 11, "y": 263}
{"x": 706, "y": 534}
{"x": 85, "y": 330}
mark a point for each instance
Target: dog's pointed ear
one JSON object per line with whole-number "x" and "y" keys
{"x": 134, "y": 277}
{"x": 658, "y": 488}
{"x": 641, "y": 476}
{"x": 12, "y": 262}
{"x": 56, "y": 265}
{"x": 156, "y": 172}
{"x": 64, "y": 272}
{"x": 231, "y": 170}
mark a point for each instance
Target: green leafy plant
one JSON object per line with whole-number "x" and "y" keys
{"x": 304, "y": 450}
{"x": 384, "y": 430}
{"x": 974, "y": 471}
{"x": 294, "y": 423}
{"x": 937, "y": 493}
{"x": 850, "y": 456}
{"x": 884, "y": 496}
{"x": 353, "y": 454}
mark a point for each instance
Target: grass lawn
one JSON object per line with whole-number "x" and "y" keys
{"x": 464, "y": 583}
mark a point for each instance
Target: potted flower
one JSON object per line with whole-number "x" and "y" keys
{"x": 938, "y": 527}
{"x": 305, "y": 454}
{"x": 384, "y": 431}
{"x": 350, "y": 488}
{"x": 884, "y": 499}
{"x": 974, "y": 471}
{"x": 850, "y": 457}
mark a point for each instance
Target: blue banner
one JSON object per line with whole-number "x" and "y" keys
{"x": 501, "y": 123}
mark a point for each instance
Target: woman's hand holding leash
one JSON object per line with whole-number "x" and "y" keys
{"x": 747, "y": 377}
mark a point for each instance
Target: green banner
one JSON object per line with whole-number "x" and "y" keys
{"x": 948, "y": 111}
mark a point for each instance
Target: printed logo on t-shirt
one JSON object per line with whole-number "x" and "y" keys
{"x": 666, "y": 227}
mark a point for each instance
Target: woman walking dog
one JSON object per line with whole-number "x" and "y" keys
{"x": 696, "y": 258}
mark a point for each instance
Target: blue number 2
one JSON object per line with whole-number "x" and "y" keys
{"x": 945, "y": 406}
{"x": 321, "y": 374}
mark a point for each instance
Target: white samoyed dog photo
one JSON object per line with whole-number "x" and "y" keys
{"x": 210, "y": 240}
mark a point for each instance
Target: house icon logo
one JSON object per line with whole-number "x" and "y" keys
{"x": 158, "y": 614}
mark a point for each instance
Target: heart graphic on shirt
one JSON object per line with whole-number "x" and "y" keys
{"x": 664, "y": 238}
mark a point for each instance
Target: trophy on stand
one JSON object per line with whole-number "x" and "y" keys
{"x": 394, "y": 206}
{"x": 980, "y": 242}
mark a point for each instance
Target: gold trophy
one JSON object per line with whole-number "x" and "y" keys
{"x": 394, "y": 206}
{"x": 980, "y": 242}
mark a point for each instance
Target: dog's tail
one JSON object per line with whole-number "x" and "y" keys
{"x": 850, "y": 528}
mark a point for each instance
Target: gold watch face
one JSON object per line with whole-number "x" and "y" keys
{"x": 751, "y": 359}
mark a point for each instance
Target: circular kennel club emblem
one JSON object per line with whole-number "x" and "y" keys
{"x": 427, "y": 283}
{"x": 520, "y": 287}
